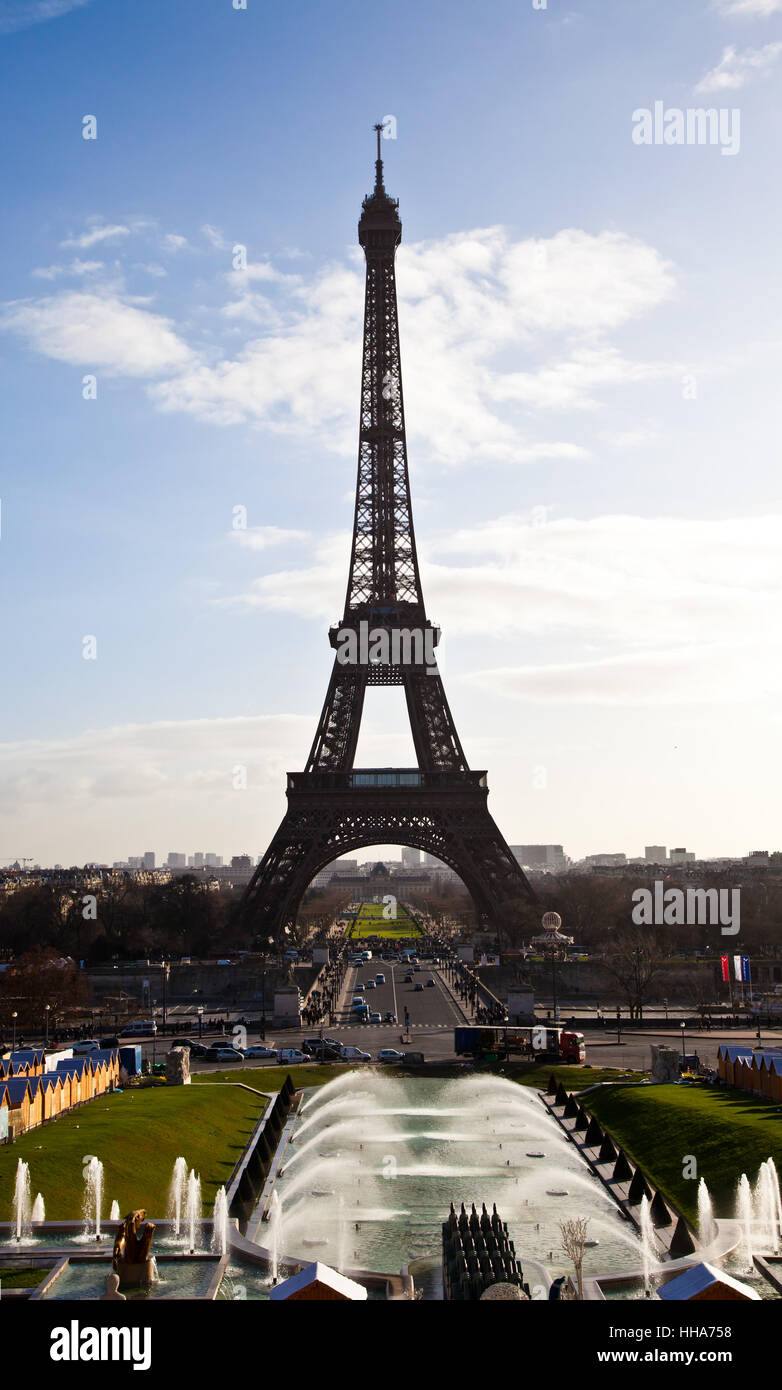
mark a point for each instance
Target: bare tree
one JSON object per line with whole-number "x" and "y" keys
{"x": 634, "y": 965}
{"x": 573, "y": 1243}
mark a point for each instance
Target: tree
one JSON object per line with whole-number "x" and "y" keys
{"x": 38, "y": 978}
{"x": 573, "y": 1242}
{"x": 634, "y": 967}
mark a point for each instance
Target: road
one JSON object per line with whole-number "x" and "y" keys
{"x": 434, "y": 1012}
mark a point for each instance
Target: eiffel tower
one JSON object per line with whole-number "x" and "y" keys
{"x": 384, "y": 638}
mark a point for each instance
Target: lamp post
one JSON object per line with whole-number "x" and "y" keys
{"x": 200, "y": 1021}
{"x": 682, "y": 1026}
{"x": 46, "y": 1009}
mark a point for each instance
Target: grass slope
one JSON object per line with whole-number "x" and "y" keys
{"x": 138, "y": 1135}
{"x": 726, "y": 1131}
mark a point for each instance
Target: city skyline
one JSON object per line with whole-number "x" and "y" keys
{"x": 591, "y": 402}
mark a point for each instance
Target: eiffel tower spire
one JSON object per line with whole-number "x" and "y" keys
{"x": 383, "y": 562}
{"x": 440, "y": 805}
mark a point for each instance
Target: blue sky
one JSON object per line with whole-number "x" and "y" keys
{"x": 591, "y": 362}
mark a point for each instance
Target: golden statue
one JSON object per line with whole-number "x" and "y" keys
{"x": 131, "y": 1258}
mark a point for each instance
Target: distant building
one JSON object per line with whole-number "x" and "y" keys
{"x": 149, "y": 859}
{"x": 410, "y": 856}
{"x": 241, "y": 862}
{"x": 177, "y": 861}
{"x": 379, "y": 882}
{"x": 214, "y": 861}
{"x": 682, "y": 856}
{"x": 606, "y": 861}
{"x": 539, "y": 856}
{"x": 655, "y": 854}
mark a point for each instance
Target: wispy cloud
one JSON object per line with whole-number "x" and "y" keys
{"x": 95, "y": 234}
{"x": 98, "y": 330}
{"x": 501, "y": 338}
{"x": 748, "y": 9}
{"x": 75, "y": 267}
{"x": 21, "y": 14}
{"x": 737, "y": 69}
{"x": 264, "y": 537}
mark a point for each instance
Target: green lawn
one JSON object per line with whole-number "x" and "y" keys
{"x": 726, "y": 1131}
{"x": 20, "y": 1277}
{"x": 138, "y": 1134}
{"x": 573, "y": 1078}
{"x": 369, "y": 921}
{"x": 272, "y": 1078}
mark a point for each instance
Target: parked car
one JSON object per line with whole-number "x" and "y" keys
{"x": 226, "y": 1054}
{"x": 430, "y": 983}
{"x": 390, "y": 1016}
{"x": 380, "y": 979}
{"x": 259, "y": 1051}
{"x": 109, "y": 1043}
{"x": 354, "y": 1054}
{"x": 291, "y": 1054}
{"x": 390, "y": 1054}
{"x": 357, "y": 1002}
{"x": 375, "y": 1018}
{"x": 81, "y": 1049}
{"x": 408, "y": 980}
{"x": 183, "y": 1042}
{"x": 419, "y": 989}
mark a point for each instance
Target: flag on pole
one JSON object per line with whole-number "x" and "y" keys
{"x": 724, "y": 963}
{"x": 737, "y": 975}
{"x": 745, "y": 970}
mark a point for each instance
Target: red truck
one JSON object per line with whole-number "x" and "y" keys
{"x": 541, "y": 1043}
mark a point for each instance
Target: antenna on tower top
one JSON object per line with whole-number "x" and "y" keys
{"x": 379, "y": 161}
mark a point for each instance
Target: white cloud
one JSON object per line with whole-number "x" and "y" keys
{"x": 698, "y": 676}
{"x": 466, "y": 302}
{"x": 22, "y": 14}
{"x": 120, "y": 790}
{"x": 76, "y": 267}
{"x": 215, "y": 237}
{"x": 736, "y": 69}
{"x": 263, "y": 537}
{"x": 98, "y": 330}
{"x": 654, "y": 605}
{"x": 96, "y": 234}
{"x": 173, "y": 242}
{"x": 749, "y": 9}
{"x": 496, "y": 335}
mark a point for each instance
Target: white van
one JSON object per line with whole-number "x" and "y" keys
{"x": 354, "y": 1054}
{"x": 292, "y": 1054}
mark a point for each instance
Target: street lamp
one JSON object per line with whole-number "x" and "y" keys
{"x": 14, "y": 1016}
{"x": 46, "y": 1009}
{"x": 200, "y": 1021}
{"x": 682, "y": 1026}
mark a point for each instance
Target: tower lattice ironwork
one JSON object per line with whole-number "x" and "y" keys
{"x": 384, "y": 638}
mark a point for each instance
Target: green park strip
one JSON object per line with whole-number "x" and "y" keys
{"x": 138, "y": 1134}
{"x": 20, "y": 1277}
{"x": 369, "y": 921}
{"x": 271, "y": 1078}
{"x": 572, "y": 1078}
{"x": 726, "y": 1132}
